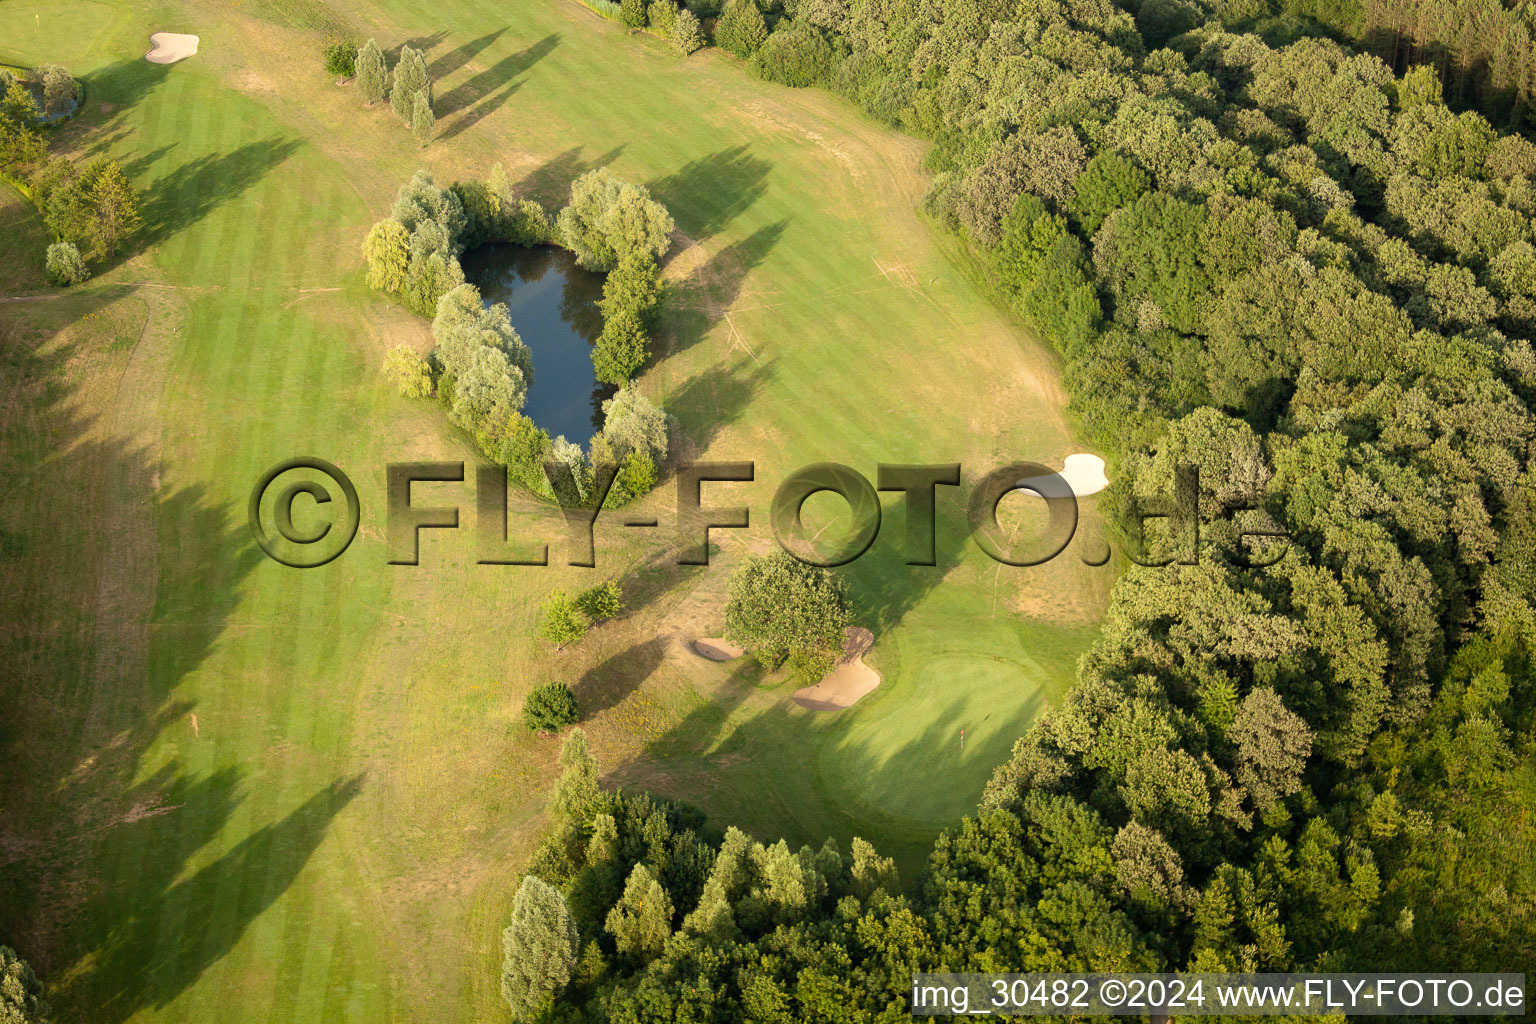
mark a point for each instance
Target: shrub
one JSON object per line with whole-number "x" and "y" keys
{"x": 795, "y": 54}
{"x": 65, "y": 265}
{"x": 550, "y": 708}
{"x": 687, "y": 34}
{"x": 341, "y": 58}
{"x": 601, "y": 602}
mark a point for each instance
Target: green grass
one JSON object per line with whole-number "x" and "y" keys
{"x": 339, "y": 835}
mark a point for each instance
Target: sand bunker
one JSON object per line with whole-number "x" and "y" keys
{"x": 848, "y": 681}
{"x": 170, "y": 47}
{"x": 1083, "y": 473}
{"x": 716, "y": 649}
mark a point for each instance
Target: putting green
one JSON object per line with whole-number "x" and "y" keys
{"x": 64, "y": 32}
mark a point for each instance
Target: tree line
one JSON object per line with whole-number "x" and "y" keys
{"x": 90, "y": 208}
{"x": 1306, "y": 273}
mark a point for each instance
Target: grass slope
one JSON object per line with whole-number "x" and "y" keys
{"x": 261, "y": 794}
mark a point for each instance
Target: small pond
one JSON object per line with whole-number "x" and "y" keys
{"x": 553, "y": 305}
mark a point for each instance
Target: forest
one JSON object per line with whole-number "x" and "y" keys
{"x": 1294, "y": 249}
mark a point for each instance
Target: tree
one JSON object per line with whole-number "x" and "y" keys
{"x": 1109, "y": 182}
{"x": 779, "y": 605}
{"x": 634, "y": 284}
{"x": 550, "y": 707}
{"x": 561, "y": 621}
{"x": 410, "y": 78}
{"x": 576, "y": 792}
{"x": 64, "y": 264}
{"x": 114, "y": 207}
{"x": 539, "y": 949}
{"x": 687, "y": 33}
{"x": 621, "y": 349}
{"x": 422, "y": 119}
{"x": 632, "y": 423}
{"x": 608, "y": 218}
{"x": 18, "y": 108}
{"x": 410, "y": 373}
{"x": 632, "y": 13}
{"x": 601, "y": 602}
{"x": 1272, "y": 747}
{"x": 341, "y": 58}
{"x": 387, "y": 250}
{"x": 796, "y": 54}
{"x": 59, "y": 92}
{"x": 641, "y": 922}
{"x": 372, "y": 73}
{"x": 741, "y": 28}
{"x": 663, "y": 16}
{"x": 21, "y": 994}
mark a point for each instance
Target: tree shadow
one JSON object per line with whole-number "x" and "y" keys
{"x": 125, "y": 82}
{"x": 256, "y": 871}
{"x": 480, "y": 111}
{"x": 196, "y": 188}
{"x": 706, "y": 194}
{"x": 462, "y": 54}
{"x": 118, "y": 588}
{"x": 550, "y": 182}
{"x": 615, "y": 678}
{"x": 711, "y": 401}
{"x": 693, "y": 307}
{"x": 495, "y": 76}
{"x": 423, "y": 43}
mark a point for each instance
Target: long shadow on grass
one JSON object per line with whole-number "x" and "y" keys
{"x": 191, "y": 923}
{"x": 118, "y": 588}
{"x": 462, "y": 54}
{"x": 495, "y": 76}
{"x": 706, "y": 194}
{"x": 550, "y": 182}
{"x": 608, "y": 683}
{"x": 195, "y": 189}
{"x": 711, "y": 401}
{"x": 694, "y": 306}
{"x": 480, "y": 111}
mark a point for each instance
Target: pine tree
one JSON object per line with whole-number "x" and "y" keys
{"x": 561, "y": 621}
{"x": 741, "y": 29}
{"x": 632, "y": 13}
{"x": 712, "y": 919}
{"x": 641, "y": 922}
{"x": 372, "y": 73}
{"x": 539, "y": 948}
{"x": 20, "y": 992}
{"x": 687, "y": 34}
{"x": 577, "y": 792}
{"x": 116, "y": 206}
{"x": 422, "y": 119}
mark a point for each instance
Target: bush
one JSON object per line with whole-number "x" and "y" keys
{"x": 65, "y": 265}
{"x": 550, "y": 708}
{"x": 796, "y": 54}
{"x": 341, "y": 58}
{"x": 601, "y": 602}
{"x": 663, "y": 15}
{"x": 810, "y": 666}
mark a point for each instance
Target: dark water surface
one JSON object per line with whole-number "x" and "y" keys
{"x": 553, "y": 305}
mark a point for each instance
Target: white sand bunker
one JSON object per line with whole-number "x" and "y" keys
{"x": 717, "y": 649}
{"x": 170, "y": 47}
{"x": 849, "y": 680}
{"x": 1083, "y": 473}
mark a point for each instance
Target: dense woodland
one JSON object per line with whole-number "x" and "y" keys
{"x": 1273, "y": 244}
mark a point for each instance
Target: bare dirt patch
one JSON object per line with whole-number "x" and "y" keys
{"x": 848, "y": 682}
